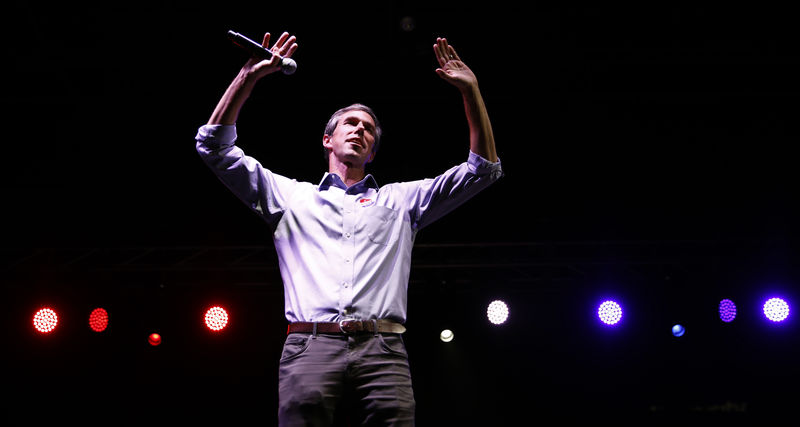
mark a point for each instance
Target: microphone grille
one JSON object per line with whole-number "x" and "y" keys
{"x": 288, "y": 66}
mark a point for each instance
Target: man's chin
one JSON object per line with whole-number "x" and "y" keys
{"x": 354, "y": 160}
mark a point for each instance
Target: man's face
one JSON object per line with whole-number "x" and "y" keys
{"x": 353, "y": 139}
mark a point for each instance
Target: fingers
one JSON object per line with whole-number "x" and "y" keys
{"x": 282, "y": 40}
{"x": 439, "y": 51}
{"x": 444, "y": 52}
{"x": 452, "y": 53}
{"x": 292, "y": 43}
{"x": 285, "y": 46}
{"x": 451, "y": 68}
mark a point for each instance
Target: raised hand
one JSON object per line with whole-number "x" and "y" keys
{"x": 284, "y": 47}
{"x": 451, "y": 68}
{"x": 228, "y": 107}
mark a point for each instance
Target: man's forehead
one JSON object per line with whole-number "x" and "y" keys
{"x": 358, "y": 114}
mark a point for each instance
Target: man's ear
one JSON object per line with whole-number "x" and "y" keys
{"x": 372, "y": 156}
{"x": 326, "y": 141}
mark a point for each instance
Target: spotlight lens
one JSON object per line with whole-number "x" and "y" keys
{"x": 45, "y": 320}
{"x": 727, "y": 310}
{"x": 98, "y": 320}
{"x": 446, "y": 335}
{"x": 776, "y": 309}
{"x": 609, "y": 312}
{"x": 216, "y": 318}
{"x": 497, "y": 312}
{"x": 154, "y": 339}
{"x": 678, "y": 330}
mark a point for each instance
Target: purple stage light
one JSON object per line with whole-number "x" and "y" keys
{"x": 776, "y": 309}
{"x": 609, "y": 312}
{"x": 727, "y": 310}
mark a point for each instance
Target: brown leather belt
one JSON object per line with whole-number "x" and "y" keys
{"x": 347, "y": 327}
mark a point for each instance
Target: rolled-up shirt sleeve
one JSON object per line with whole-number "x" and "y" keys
{"x": 433, "y": 198}
{"x": 263, "y": 191}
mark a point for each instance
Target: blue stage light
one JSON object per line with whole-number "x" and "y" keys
{"x": 776, "y": 309}
{"x": 727, "y": 310}
{"x": 609, "y": 312}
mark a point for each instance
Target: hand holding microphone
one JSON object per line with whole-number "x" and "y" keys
{"x": 288, "y": 66}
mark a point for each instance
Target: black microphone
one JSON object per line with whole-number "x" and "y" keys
{"x": 288, "y": 66}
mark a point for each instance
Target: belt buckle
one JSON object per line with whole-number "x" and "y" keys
{"x": 348, "y": 326}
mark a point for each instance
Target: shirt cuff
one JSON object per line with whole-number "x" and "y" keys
{"x": 480, "y": 166}
{"x": 217, "y": 135}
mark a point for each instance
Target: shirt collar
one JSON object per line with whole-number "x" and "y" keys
{"x": 332, "y": 179}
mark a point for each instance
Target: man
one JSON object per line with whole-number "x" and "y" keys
{"x": 344, "y": 248}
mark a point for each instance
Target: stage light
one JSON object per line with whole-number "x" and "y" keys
{"x": 45, "y": 320}
{"x": 98, "y": 319}
{"x": 446, "y": 335}
{"x": 154, "y": 339}
{"x": 727, "y": 310}
{"x": 497, "y": 312}
{"x": 216, "y": 318}
{"x": 776, "y": 309}
{"x": 609, "y": 312}
{"x": 678, "y": 330}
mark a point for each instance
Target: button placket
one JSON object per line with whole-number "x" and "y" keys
{"x": 348, "y": 254}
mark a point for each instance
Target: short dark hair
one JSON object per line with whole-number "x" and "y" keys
{"x": 334, "y": 121}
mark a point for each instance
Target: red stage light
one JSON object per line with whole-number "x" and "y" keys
{"x": 45, "y": 320}
{"x": 154, "y": 339}
{"x": 98, "y": 320}
{"x": 216, "y": 318}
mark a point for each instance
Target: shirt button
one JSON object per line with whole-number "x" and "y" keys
{"x": 347, "y": 261}
{"x": 347, "y": 235}
{"x": 346, "y": 285}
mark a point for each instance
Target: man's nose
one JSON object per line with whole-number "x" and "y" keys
{"x": 360, "y": 128}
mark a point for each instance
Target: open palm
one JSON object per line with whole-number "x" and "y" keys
{"x": 451, "y": 68}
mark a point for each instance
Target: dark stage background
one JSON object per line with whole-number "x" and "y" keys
{"x": 648, "y": 156}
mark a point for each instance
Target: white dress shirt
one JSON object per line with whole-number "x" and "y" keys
{"x": 344, "y": 253}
